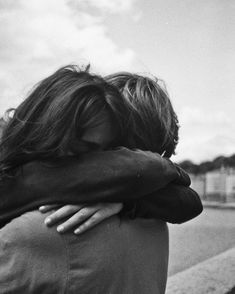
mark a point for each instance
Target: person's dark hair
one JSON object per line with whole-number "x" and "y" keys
{"x": 58, "y": 110}
{"x": 154, "y": 122}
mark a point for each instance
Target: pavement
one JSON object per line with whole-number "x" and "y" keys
{"x": 209, "y": 234}
{"x": 214, "y": 276}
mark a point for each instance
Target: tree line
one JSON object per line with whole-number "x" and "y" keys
{"x": 217, "y": 163}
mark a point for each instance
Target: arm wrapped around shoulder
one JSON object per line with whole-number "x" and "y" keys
{"x": 110, "y": 176}
{"x": 173, "y": 204}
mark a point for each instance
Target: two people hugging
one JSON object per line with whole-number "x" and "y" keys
{"x": 87, "y": 186}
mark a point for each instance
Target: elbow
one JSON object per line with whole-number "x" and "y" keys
{"x": 197, "y": 208}
{"x": 193, "y": 210}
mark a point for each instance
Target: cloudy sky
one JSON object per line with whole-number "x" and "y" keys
{"x": 190, "y": 44}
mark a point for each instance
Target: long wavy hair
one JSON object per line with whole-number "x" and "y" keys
{"x": 58, "y": 110}
{"x": 154, "y": 124}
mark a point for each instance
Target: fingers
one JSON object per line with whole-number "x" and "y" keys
{"x": 103, "y": 213}
{"x": 77, "y": 219}
{"x": 83, "y": 216}
{"x": 90, "y": 223}
{"x": 46, "y": 208}
{"x": 61, "y": 213}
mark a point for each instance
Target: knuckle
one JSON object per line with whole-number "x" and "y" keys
{"x": 69, "y": 207}
{"x": 94, "y": 218}
{"x": 97, "y": 215}
{"x": 83, "y": 212}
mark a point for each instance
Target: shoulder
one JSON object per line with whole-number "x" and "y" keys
{"x": 29, "y": 230}
{"x": 29, "y": 249}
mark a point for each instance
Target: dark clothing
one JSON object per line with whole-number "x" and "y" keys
{"x": 119, "y": 256}
{"x": 157, "y": 187}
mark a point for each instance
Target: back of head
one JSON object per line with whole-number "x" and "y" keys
{"x": 58, "y": 110}
{"x": 154, "y": 124}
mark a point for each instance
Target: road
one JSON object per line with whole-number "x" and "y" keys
{"x": 197, "y": 240}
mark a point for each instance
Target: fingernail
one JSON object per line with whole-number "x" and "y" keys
{"x": 60, "y": 229}
{"x": 41, "y": 208}
{"x": 47, "y": 221}
{"x": 77, "y": 232}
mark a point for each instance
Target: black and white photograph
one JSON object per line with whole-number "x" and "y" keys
{"x": 117, "y": 147}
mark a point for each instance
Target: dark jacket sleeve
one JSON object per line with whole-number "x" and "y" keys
{"x": 173, "y": 204}
{"x": 110, "y": 176}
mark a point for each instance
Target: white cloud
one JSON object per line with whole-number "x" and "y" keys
{"x": 111, "y": 6}
{"x": 37, "y": 37}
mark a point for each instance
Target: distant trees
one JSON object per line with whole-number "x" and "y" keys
{"x": 217, "y": 163}
{"x": 189, "y": 166}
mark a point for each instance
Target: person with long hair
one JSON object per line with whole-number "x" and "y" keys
{"x": 154, "y": 127}
{"x": 51, "y": 152}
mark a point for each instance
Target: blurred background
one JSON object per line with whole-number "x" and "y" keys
{"x": 189, "y": 44}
